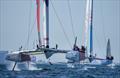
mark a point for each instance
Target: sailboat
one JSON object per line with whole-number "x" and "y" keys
{"x": 74, "y": 55}
{"x": 78, "y": 56}
{"x": 89, "y": 22}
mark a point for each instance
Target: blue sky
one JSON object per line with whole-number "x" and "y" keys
{"x": 17, "y": 19}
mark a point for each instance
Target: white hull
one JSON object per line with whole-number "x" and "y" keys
{"x": 8, "y": 65}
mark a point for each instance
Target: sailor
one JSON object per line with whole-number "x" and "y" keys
{"x": 20, "y": 48}
{"x": 82, "y": 49}
{"x": 76, "y": 48}
{"x": 56, "y": 46}
{"x": 110, "y": 58}
{"x": 37, "y": 46}
{"x": 47, "y": 46}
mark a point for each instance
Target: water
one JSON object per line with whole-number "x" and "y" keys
{"x": 52, "y": 71}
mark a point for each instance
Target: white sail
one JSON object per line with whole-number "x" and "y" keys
{"x": 87, "y": 22}
{"x": 108, "y": 50}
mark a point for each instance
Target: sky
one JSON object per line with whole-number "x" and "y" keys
{"x": 18, "y": 24}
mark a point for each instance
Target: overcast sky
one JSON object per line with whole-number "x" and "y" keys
{"x": 18, "y": 19}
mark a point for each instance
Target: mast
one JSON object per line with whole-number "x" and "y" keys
{"x": 46, "y": 23}
{"x": 91, "y": 28}
{"x": 38, "y": 21}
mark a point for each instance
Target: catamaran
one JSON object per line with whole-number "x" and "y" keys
{"x": 74, "y": 55}
{"x": 89, "y": 22}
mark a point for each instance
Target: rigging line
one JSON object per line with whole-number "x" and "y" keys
{"x": 32, "y": 27}
{"x": 99, "y": 45}
{"x": 71, "y": 19}
{"x": 61, "y": 24}
{"x": 29, "y": 24}
{"x": 103, "y": 24}
{"x": 31, "y": 30}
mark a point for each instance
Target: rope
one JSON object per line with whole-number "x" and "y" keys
{"x": 71, "y": 19}
{"x": 61, "y": 25}
{"x": 29, "y": 25}
{"x": 104, "y": 34}
{"x": 27, "y": 44}
{"x": 99, "y": 45}
{"x": 31, "y": 30}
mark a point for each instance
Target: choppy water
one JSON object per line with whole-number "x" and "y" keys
{"x": 65, "y": 72}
